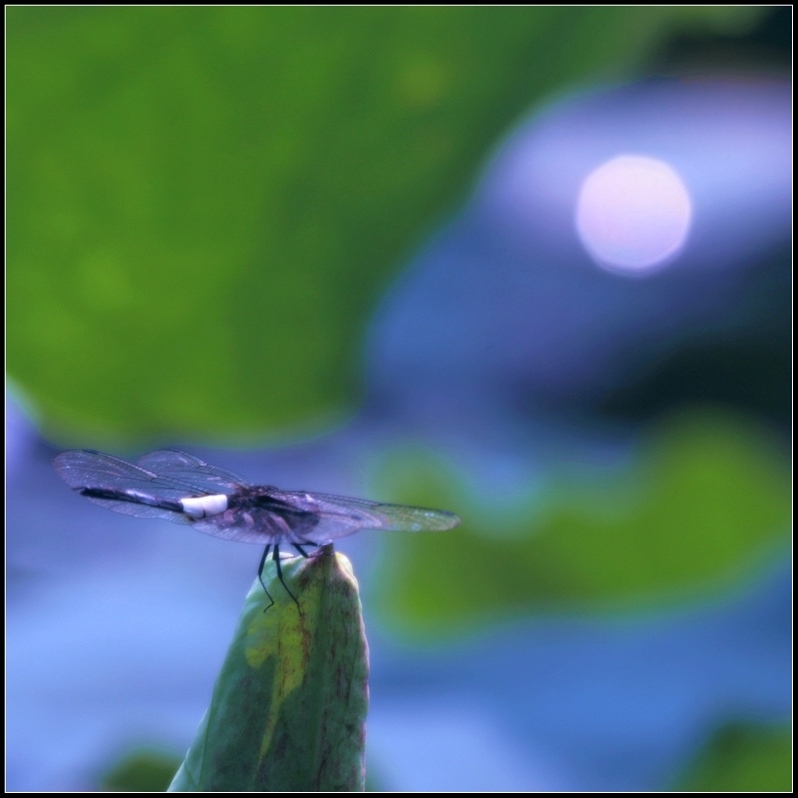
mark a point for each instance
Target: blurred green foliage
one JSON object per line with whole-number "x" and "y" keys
{"x": 141, "y": 770}
{"x": 742, "y": 758}
{"x": 707, "y": 500}
{"x": 204, "y": 203}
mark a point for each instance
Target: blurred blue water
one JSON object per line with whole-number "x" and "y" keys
{"x": 602, "y": 704}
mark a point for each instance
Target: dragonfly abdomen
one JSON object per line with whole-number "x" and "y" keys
{"x": 132, "y": 496}
{"x": 193, "y": 507}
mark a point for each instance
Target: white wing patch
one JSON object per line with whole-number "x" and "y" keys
{"x": 203, "y": 506}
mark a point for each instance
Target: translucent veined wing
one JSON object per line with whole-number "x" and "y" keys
{"x": 339, "y": 516}
{"x": 86, "y": 469}
{"x": 192, "y": 472}
{"x": 162, "y": 482}
{"x": 258, "y": 525}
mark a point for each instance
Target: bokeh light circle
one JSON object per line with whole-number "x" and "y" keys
{"x": 633, "y": 214}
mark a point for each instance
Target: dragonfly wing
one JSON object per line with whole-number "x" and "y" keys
{"x": 195, "y": 474}
{"x": 339, "y": 516}
{"x": 239, "y": 530}
{"x": 85, "y": 469}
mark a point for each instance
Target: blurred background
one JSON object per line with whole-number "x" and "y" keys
{"x": 531, "y": 265}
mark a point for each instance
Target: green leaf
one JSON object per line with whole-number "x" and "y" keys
{"x": 742, "y": 758}
{"x": 706, "y": 503}
{"x": 206, "y": 203}
{"x": 289, "y": 707}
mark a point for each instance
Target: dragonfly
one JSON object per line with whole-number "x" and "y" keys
{"x": 181, "y": 488}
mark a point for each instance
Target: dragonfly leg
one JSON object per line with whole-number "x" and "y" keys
{"x": 260, "y": 575}
{"x": 299, "y": 548}
{"x": 276, "y": 558}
